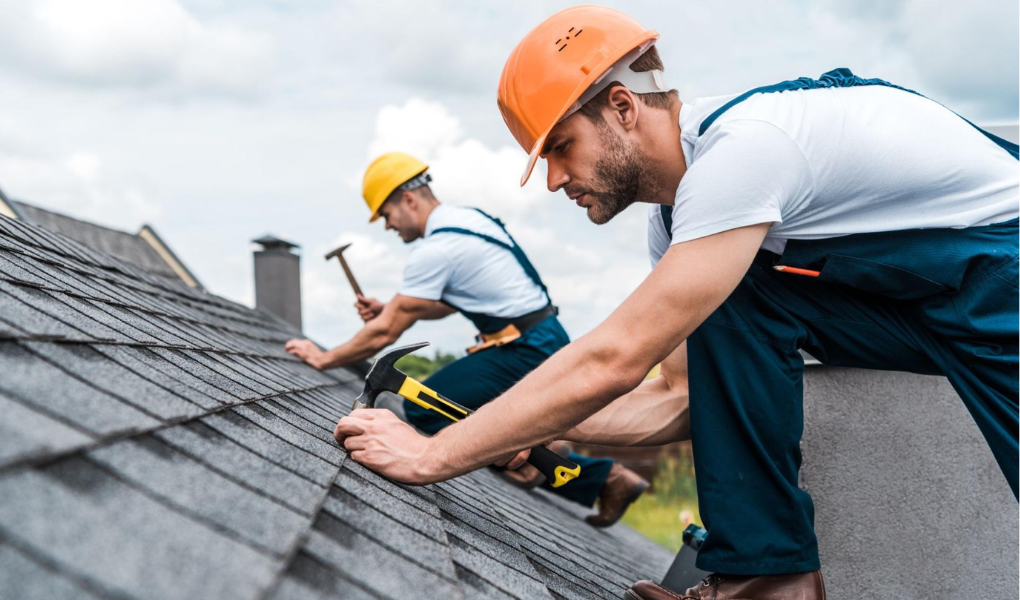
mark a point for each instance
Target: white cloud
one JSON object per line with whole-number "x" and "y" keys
{"x": 150, "y": 44}
{"x": 79, "y": 185}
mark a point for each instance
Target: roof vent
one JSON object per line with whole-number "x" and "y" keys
{"x": 278, "y": 278}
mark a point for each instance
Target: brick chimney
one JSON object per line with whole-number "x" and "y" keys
{"x": 278, "y": 279}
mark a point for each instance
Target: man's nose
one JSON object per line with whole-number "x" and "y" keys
{"x": 557, "y": 177}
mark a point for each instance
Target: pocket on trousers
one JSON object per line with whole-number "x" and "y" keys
{"x": 878, "y": 278}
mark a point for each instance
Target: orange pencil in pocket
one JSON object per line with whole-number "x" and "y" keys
{"x": 796, "y": 271}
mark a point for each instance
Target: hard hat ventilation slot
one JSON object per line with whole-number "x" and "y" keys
{"x": 567, "y": 37}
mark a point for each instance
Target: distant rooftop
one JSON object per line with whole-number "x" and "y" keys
{"x": 145, "y": 249}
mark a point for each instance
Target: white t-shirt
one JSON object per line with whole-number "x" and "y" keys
{"x": 469, "y": 272}
{"x": 829, "y": 162}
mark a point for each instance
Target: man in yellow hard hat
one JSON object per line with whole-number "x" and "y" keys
{"x": 466, "y": 261}
{"x": 849, "y": 217}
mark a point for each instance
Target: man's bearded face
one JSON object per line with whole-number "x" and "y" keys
{"x": 618, "y": 178}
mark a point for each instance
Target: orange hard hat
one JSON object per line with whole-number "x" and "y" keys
{"x": 550, "y": 70}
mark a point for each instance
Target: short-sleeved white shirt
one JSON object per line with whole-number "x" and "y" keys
{"x": 468, "y": 272}
{"x": 830, "y": 162}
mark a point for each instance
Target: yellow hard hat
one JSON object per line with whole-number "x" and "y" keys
{"x": 386, "y": 174}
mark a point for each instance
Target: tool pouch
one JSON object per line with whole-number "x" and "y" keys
{"x": 500, "y": 338}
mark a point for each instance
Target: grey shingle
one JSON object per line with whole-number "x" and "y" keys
{"x": 48, "y": 389}
{"x": 265, "y": 443}
{"x": 172, "y": 476}
{"x": 469, "y": 557}
{"x": 487, "y": 538}
{"x": 98, "y": 323}
{"x": 123, "y": 539}
{"x": 227, "y": 387}
{"x": 316, "y": 446}
{"x": 414, "y": 512}
{"x": 149, "y": 366}
{"x": 90, "y": 365}
{"x": 9, "y": 332}
{"x": 372, "y": 521}
{"x": 22, "y": 578}
{"x": 11, "y": 269}
{"x": 222, "y": 453}
{"x": 374, "y": 566}
{"x": 314, "y": 425}
{"x": 25, "y": 432}
{"x": 211, "y": 363}
{"x": 125, "y": 246}
{"x": 16, "y": 308}
{"x": 310, "y": 579}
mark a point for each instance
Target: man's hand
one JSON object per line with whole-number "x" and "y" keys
{"x": 512, "y": 462}
{"x": 368, "y": 308}
{"x": 306, "y": 351}
{"x": 376, "y": 438}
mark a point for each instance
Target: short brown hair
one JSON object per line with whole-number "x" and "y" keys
{"x": 649, "y": 61}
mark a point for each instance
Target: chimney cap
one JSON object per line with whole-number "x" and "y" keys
{"x": 270, "y": 242}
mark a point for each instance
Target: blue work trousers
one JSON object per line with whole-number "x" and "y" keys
{"x": 936, "y": 302}
{"x": 478, "y": 378}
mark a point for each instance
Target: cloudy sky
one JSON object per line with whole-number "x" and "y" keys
{"x": 218, "y": 121}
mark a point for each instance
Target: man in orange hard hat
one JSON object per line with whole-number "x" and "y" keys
{"x": 849, "y": 217}
{"x": 466, "y": 261}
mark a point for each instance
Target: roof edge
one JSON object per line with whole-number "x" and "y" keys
{"x": 9, "y": 209}
{"x": 149, "y": 234}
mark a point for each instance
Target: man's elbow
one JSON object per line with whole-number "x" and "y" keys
{"x": 382, "y": 337}
{"x": 618, "y": 370}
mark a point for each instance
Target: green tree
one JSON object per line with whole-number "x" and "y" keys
{"x": 420, "y": 367}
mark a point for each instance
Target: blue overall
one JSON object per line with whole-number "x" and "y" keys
{"x": 931, "y": 301}
{"x": 480, "y": 377}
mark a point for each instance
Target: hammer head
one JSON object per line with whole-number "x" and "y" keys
{"x": 384, "y": 376}
{"x": 338, "y": 251}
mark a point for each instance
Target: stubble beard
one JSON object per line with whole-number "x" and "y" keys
{"x": 620, "y": 177}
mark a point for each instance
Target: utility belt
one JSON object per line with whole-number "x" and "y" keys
{"x": 514, "y": 330}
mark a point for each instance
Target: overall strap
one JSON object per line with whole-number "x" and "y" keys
{"x": 667, "y": 219}
{"x": 513, "y": 247}
{"x": 839, "y": 78}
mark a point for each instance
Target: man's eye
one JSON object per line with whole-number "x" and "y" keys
{"x": 560, "y": 149}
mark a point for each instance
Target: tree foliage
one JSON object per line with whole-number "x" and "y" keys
{"x": 420, "y": 367}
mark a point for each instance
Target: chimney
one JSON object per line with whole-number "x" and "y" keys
{"x": 278, "y": 279}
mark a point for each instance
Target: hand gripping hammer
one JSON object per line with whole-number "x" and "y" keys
{"x": 385, "y": 377}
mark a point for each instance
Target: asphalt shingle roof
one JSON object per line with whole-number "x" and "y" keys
{"x": 128, "y": 247}
{"x": 157, "y": 442}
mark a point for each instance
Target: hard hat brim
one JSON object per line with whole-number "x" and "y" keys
{"x": 536, "y": 150}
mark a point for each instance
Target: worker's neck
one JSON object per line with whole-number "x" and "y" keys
{"x": 424, "y": 211}
{"x": 663, "y": 152}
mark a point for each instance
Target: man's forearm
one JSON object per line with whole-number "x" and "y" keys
{"x": 652, "y": 415}
{"x": 581, "y": 378}
{"x": 365, "y": 344}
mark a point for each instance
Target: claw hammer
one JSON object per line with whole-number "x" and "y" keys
{"x": 385, "y": 377}
{"x": 339, "y": 253}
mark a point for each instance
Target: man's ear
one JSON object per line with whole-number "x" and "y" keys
{"x": 623, "y": 107}
{"x": 410, "y": 199}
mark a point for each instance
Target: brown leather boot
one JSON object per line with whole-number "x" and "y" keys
{"x": 622, "y": 487}
{"x": 796, "y": 586}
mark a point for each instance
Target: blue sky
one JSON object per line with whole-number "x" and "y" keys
{"x": 218, "y": 121}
